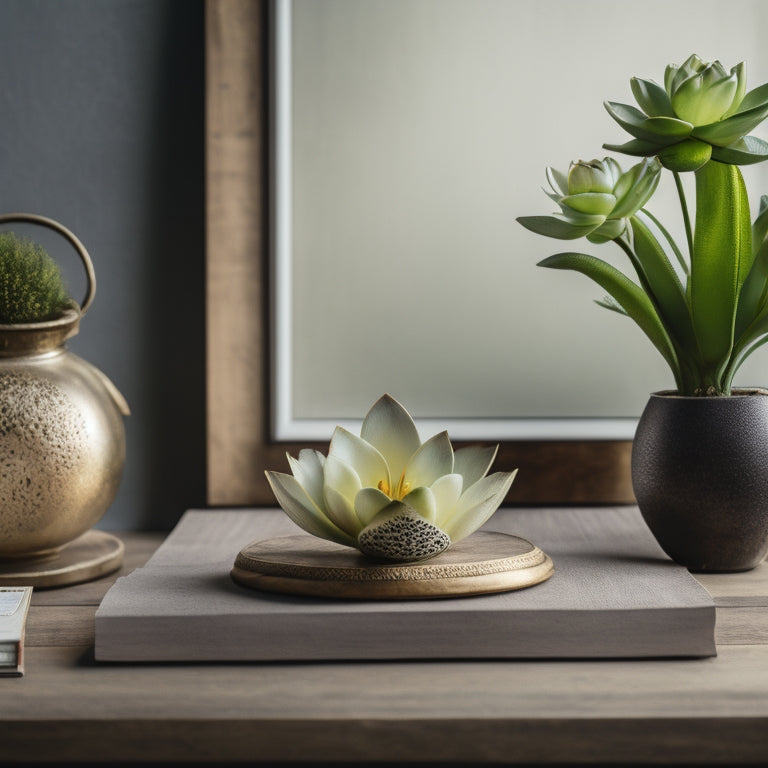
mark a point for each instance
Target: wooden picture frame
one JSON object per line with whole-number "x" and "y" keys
{"x": 239, "y": 445}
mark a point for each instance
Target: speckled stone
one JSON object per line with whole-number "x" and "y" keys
{"x": 403, "y": 537}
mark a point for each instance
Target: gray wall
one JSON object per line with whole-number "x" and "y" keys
{"x": 101, "y": 128}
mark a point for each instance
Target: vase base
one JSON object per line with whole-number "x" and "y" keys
{"x": 483, "y": 563}
{"x": 88, "y": 557}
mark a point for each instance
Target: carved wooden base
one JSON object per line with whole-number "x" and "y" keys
{"x": 483, "y": 563}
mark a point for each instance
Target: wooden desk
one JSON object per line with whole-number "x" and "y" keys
{"x": 67, "y": 708}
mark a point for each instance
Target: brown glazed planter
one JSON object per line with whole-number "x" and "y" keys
{"x": 700, "y": 477}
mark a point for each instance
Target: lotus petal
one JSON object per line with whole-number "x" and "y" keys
{"x": 298, "y": 506}
{"x": 368, "y": 503}
{"x": 432, "y": 460}
{"x": 423, "y": 501}
{"x": 477, "y": 504}
{"x": 651, "y": 97}
{"x": 472, "y": 462}
{"x": 367, "y": 462}
{"x": 390, "y": 429}
{"x": 308, "y": 470}
{"x": 342, "y": 484}
{"x": 446, "y": 491}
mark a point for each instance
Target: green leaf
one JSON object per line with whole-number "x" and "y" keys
{"x": 726, "y": 132}
{"x": 721, "y": 259}
{"x": 665, "y": 288}
{"x": 659, "y": 130}
{"x": 610, "y": 230}
{"x": 753, "y": 292}
{"x": 742, "y": 352}
{"x": 634, "y": 301}
{"x": 610, "y": 303}
{"x": 635, "y": 187}
{"x": 760, "y": 225}
{"x": 558, "y": 181}
{"x": 757, "y": 97}
{"x": 578, "y": 219}
{"x": 651, "y": 97}
{"x": 745, "y": 152}
{"x": 668, "y": 237}
{"x": 552, "y": 227}
{"x": 635, "y": 147}
{"x": 592, "y": 203}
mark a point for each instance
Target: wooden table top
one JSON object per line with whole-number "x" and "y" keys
{"x": 68, "y": 708}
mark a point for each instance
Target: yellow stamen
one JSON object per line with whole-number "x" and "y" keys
{"x": 383, "y": 486}
{"x": 402, "y": 488}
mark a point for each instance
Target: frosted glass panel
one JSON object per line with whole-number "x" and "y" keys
{"x": 414, "y": 133}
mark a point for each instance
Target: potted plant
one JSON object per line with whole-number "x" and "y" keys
{"x": 699, "y": 453}
{"x": 62, "y": 439}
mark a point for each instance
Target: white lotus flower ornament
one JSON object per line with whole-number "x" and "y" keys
{"x": 388, "y": 494}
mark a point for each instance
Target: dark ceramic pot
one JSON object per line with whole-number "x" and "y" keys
{"x": 700, "y": 477}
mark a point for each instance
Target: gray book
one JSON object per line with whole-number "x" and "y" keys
{"x": 14, "y": 606}
{"x": 613, "y": 594}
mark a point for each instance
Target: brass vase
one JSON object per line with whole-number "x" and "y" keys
{"x": 62, "y": 437}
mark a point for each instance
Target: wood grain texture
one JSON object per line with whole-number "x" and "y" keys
{"x": 142, "y": 545}
{"x": 235, "y": 246}
{"x": 485, "y": 562}
{"x": 493, "y": 712}
{"x": 238, "y": 440}
{"x": 60, "y": 626}
{"x": 740, "y": 589}
{"x": 387, "y": 742}
{"x": 731, "y": 685}
{"x": 69, "y": 709}
{"x": 741, "y": 626}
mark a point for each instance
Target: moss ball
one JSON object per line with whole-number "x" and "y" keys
{"x": 32, "y": 289}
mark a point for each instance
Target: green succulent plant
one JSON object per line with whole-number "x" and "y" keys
{"x": 702, "y": 112}
{"x": 704, "y": 306}
{"x": 32, "y": 289}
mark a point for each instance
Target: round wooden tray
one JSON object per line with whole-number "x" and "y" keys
{"x": 88, "y": 557}
{"x": 483, "y": 563}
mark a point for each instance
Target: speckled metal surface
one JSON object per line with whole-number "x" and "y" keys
{"x": 62, "y": 441}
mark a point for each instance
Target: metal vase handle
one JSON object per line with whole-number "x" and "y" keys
{"x": 43, "y": 221}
